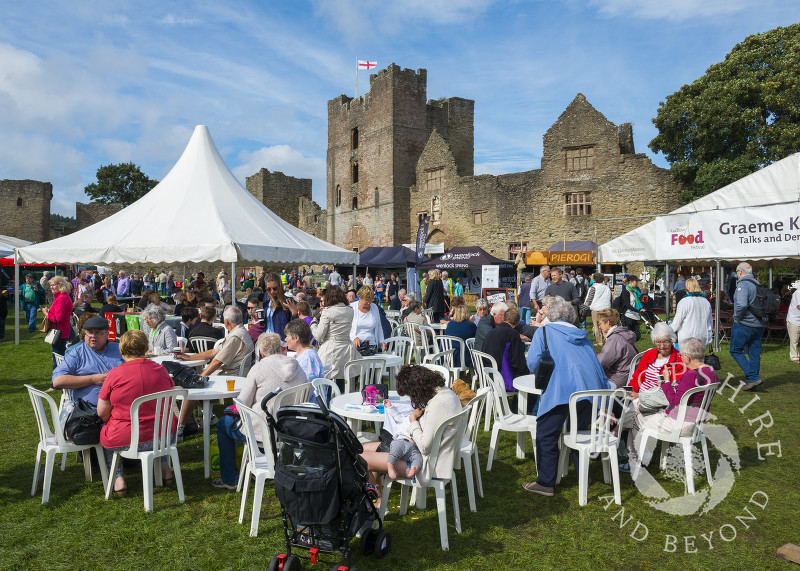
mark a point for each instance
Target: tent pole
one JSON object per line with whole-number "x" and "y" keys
{"x": 355, "y": 282}
{"x": 666, "y": 287}
{"x": 232, "y": 285}
{"x": 770, "y": 276}
{"x": 716, "y": 307}
{"x": 16, "y": 298}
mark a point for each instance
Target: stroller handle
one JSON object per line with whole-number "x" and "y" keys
{"x": 321, "y": 402}
{"x": 271, "y": 395}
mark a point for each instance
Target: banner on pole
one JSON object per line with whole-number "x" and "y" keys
{"x": 422, "y": 236}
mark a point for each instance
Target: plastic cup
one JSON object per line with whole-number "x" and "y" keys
{"x": 381, "y": 409}
{"x": 231, "y": 383}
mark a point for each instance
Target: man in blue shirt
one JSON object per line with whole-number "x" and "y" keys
{"x": 84, "y": 369}
{"x": 747, "y": 329}
{"x": 539, "y": 285}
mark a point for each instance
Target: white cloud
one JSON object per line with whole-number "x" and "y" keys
{"x": 287, "y": 160}
{"x": 669, "y": 9}
{"x": 172, "y": 20}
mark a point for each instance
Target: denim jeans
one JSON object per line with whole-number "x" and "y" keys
{"x": 743, "y": 337}
{"x": 227, "y": 435}
{"x": 30, "y": 310}
{"x": 524, "y": 314}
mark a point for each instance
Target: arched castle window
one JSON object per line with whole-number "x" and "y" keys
{"x": 354, "y": 138}
{"x": 377, "y": 198}
{"x": 338, "y": 195}
{"x": 436, "y": 210}
{"x": 355, "y": 173}
{"x": 19, "y": 202}
{"x": 355, "y": 203}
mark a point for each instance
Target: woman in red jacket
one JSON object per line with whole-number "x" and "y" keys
{"x": 651, "y": 367}
{"x": 60, "y": 312}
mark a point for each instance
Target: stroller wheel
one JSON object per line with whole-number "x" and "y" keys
{"x": 383, "y": 543}
{"x": 368, "y": 541}
{"x": 338, "y": 567}
{"x": 292, "y": 563}
{"x": 275, "y": 564}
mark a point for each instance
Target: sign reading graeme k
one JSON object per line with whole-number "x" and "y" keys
{"x": 732, "y": 233}
{"x": 422, "y": 236}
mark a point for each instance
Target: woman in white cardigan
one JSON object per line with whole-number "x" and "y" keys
{"x": 598, "y": 298}
{"x": 366, "y": 327}
{"x": 433, "y": 403}
{"x": 693, "y": 315}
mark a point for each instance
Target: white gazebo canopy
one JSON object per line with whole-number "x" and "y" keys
{"x": 9, "y": 243}
{"x": 198, "y": 213}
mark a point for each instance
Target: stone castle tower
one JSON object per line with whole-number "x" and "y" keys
{"x": 26, "y": 209}
{"x": 374, "y": 143}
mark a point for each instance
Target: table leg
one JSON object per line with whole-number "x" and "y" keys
{"x": 207, "y": 436}
{"x": 391, "y": 379}
{"x": 522, "y": 408}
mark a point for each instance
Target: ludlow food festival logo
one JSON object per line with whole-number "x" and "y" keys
{"x": 717, "y": 479}
{"x": 683, "y": 235}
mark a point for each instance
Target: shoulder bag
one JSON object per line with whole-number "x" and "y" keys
{"x": 546, "y": 366}
{"x": 83, "y": 425}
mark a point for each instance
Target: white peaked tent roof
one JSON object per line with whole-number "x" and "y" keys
{"x": 198, "y": 213}
{"x": 777, "y": 183}
{"x": 8, "y": 243}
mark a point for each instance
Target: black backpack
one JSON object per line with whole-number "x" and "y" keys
{"x": 766, "y": 304}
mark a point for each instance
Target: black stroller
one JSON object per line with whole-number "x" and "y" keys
{"x": 321, "y": 482}
{"x": 650, "y": 317}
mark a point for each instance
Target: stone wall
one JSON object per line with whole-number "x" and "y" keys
{"x": 313, "y": 219}
{"x": 280, "y": 193}
{"x": 25, "y": 209}
{"x": 93, "y": 212}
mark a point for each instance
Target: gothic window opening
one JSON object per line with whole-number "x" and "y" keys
{"x": 338, "y": 195}
{"x": 435, "y": 179}
{"x": 355, "y": 203}
{"x": 354, "y": 138}
{"x": 436, "y": 210}
{"x": 421, "y": 216}
{"x": 578, "y": 204}
{"x": 19, "y": 202}
{"x": 480, "y": 217}
{"x": 355, "y": 173}
{"x": 579, "y": 158}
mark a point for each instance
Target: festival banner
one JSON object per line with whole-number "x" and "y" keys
{"x": 422, "y": 236}
{"x": 733, "y": 233}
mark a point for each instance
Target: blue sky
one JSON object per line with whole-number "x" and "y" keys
{"x": 88, "y": 83}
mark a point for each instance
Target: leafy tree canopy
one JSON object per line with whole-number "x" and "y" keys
{"x": 60, "y": 221}
{"x": 124, "y": 183}
{"x": 742, "y": 115}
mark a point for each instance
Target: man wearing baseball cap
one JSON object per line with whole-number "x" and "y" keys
{"x": 84, "y": 368}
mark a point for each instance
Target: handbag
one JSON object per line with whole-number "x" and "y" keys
{"x": 544, "y": 370}
{"x": 52, "y": 335}
{"x": 83, "y": 425}
{"x": 712, "y": 361}
{"x": 183, "y": 376}
{"x": 367, "y": 349}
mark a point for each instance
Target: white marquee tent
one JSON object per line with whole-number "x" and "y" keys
{"x": 8, "y": 243}
{"x": 198, "y": 213}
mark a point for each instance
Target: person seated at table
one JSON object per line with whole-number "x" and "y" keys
{"x": 481, "y": 311}
{"x": 162, "y": 336}
{"x": 526, "y": 331}
{"x": 461, "y": 326}
{"x": 226, "y": 359}
{"x": 506, "y": 346}
{"x": 134, "y": 378}
{"x": 189, "y": 318}
{"x": 576, "y": 369}
{"x": 84, "y": 368}
{"x": 110, "y": 306}
{"x": 298, "y": 339}
{"x": 366, "y": 329}
{"x": 396, "y": 302}
{"x": 416, "y": 316}
{"x": 497, "y": 313}
{"x": 181, "y": 301}
{"x": 651, "y": 366}
{"x": 205, "y": 327}
{"x": 277, "y": 309}
{"x": 273, "y": 370}
{"x": 455, "y": 302}
{"x": 696, "y": 373}
{"x": 402, "y": 448}
{"x": 404, "y": 309}
{"x": 619, "y": 347}
{"x": 84, "y": 305}
{"x": 547, "y": 302}
{"x": 433, "y": 403}
{"x": 255, "y": 325}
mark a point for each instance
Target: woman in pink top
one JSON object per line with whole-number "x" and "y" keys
{"x": 136, "y": 377}
{"x": 60, "y": 313}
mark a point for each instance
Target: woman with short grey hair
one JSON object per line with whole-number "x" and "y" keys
{"x": 269, "y": 344}
{"x": 161, "y": 336}
{"x": 481, "y": 310}
{"x": 662, "y": 330}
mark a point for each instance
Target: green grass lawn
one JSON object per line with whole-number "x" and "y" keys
{"x": 513, "y": 529}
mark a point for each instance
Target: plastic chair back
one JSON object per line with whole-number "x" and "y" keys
{"x": 59, "y": 358}
{"x": 454, "y": 427}
{"x": 257, "y": 450}
{"x": 400, "y": 346}
{"x": 477, "y": 403}
{"x": 182, "y": 342}
{"x": 480, "y": 362}
{"x": 363, "y": 372}
{"x": 447, "y": 342}
{"x": 708, "y": 391}
{"x": 326, "y": 389}
{"x": 290, "y": 396}
{"x": 201, "y": 344}
{"x": 444, "y": 372}
{"x": 428, "y": 313}
{"x": 600, "y": 429}
{"x": 634, "y": 363}
{"x": 42, "y": 402}
{"x": 443, "y": 358}
{"x": 494, "y": 379}
{"x": 164, "y": 403}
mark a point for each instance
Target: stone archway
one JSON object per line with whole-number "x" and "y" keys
{"x": 358, "y": 237}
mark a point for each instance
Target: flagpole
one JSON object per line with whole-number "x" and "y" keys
{"x": 356, "y": 77}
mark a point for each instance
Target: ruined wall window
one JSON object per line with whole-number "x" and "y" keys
{"x": 435, "y": 179}
{"x": 354, "y": 138}
{"x": 19, "y": 202}
{"x": 577, "y": 204}
{"x": 338, "y": 195}
{"x": 515, "y": 248}
{"x": 436, "y": 210}
{"x": 355, "y": 173}
{"x": 420, "y": 216}
{"x": 355, "y": 203}
{"x": 480, "y": 217}
{"x": 579, "y": 158}
{"x": 377, "y": 197}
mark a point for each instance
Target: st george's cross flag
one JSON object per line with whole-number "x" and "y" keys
{"x": 362, "y": 64}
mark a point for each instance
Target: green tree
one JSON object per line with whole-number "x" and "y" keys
{"x": 57, "y": 220}
{"x": 742, "y": 115}
{"x": 124, "y": 183}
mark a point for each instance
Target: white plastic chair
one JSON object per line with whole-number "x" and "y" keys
{"x": 480, "y": 362}
{"x": 260, "y": 461}
{"x": 363, "y": 372}
{"x": 634, "y": 364}
{"x": 448, "y": 434}
{"x": 163, "y": 444}
{"x": 443, "y": 371}
{"x": 469, "y": 447}
{"x": 182, "y": 343}
{"x": 201, "y": 344}
{"x": 325, "y": 387}
{"x": 58, "y": 357}
{"x": 443, "y": 359}
{"x": 52, "y": 442}
{"x": 696, "y": 435}
{"x": 506, "y": 420}
{"x": 599, "y": 438}
{"x": 291, "y": 396}
{"x": 447, "y": 342}
{"x": 428, "y": 313}
{"x": 400, "y": 346}
{"x": 412, "y": 331}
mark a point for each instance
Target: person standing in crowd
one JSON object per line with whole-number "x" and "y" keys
{"x": 277, "y": 309}
{"x": 693, "y": 315}
{"x": 123, "y": 285}
{"x": 434, "y": 296}
{"x": 598, "y": 298}
{"x": 679, "y": 288}
{"x": 539, "y": 286}
{"x": 331, "y": 327}
{"x": 335, "y": 278}
{"x": 44, "y": 282}
{"x": 562, "y": 288}
{"x": 747, "y": 329}
{"x": 29, "y": 296}
{"x": 630, "y": 306}
{"x": 524, "y": 297}
{"x": 59, "y": 314}
{"x": 793, "y": 322}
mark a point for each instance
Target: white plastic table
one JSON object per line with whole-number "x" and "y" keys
{"x": 393, "y": 362}
{"x": 525, "y": 385}
{"x": 438, "y": 328}
{"x": 217, "y": 388}
{"x": 160, "y": 359}
{"x": 339, "y": 406}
